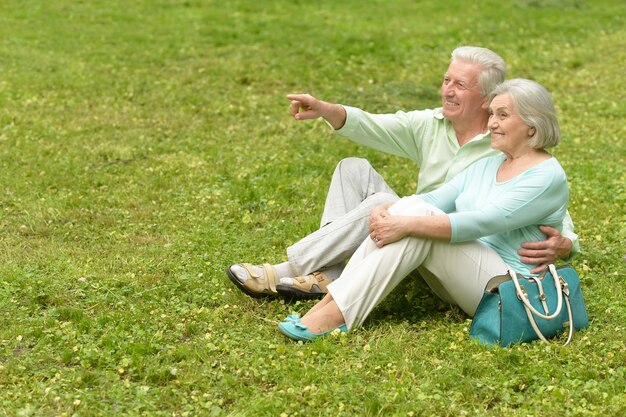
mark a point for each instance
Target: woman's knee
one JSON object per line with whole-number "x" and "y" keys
{"x": 414, "y": 206}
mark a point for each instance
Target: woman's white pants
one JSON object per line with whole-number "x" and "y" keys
{"x": 456, "y": 272}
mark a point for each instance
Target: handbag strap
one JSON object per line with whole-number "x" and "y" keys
{"x": 542, "y": 296}
{"x": 524, "y": 297}
{"x": 570, "y": 316}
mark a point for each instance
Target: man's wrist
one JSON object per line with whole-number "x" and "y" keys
{"x": 335, "y": 115}
{"x": 565, "y": 249}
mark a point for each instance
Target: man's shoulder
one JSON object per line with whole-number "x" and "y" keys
{"x": 492, "y": 162}
{"x": 426, "y": 118}
{"x": 435, "y": 113}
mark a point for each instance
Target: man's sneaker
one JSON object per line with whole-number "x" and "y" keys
{"x": 255, "y": 285}
{"x": 307, "y": 287}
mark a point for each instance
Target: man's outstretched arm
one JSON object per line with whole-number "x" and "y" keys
{"x": 305, "y": 107}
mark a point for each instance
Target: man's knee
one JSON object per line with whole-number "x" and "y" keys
{"x": 378, "y": 199}
{"x": 353, "y": 165}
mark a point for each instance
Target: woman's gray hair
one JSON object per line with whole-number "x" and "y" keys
{"x": 494, "y": 68}
{"x": 534, "y": 106}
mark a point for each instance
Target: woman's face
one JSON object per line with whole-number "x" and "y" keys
{"x": 509, "y": 134}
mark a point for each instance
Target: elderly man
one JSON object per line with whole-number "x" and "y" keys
{"x": 442, "y": 142}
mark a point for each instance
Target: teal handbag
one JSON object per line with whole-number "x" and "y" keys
{"x": 519, "y": 309}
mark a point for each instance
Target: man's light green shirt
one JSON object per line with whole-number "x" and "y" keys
{"x": 425, "y": 137}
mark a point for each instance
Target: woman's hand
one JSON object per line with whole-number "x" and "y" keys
{"x": 386, "y": 229}
{"x": 379, "y": 212}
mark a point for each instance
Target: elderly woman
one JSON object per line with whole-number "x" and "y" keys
{"x": 464, "y": 233}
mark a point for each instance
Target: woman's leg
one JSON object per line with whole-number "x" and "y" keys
{"x": 457, "y": 272}
{"x": 323, "y": 316}
{"x": 321, "y": 303}
{"x": 372, "y": 273}
{"x": 367, "y": 281}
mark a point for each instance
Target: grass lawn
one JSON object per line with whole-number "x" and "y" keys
{"x": 146, "y": 145}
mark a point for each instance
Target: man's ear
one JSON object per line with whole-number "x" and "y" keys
{"x": 485, "y": 104}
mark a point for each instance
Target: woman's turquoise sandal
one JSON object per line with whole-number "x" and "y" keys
{"x": 299, "y": 332}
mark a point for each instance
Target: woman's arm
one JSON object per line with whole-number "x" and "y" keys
{"x": 393, "y": 227}
{"x": 389, "y": 229}
{"x": 538, "y": 197}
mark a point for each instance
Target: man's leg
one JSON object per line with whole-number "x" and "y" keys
{"x": 353, "y": 181}
{"x": 356, "y": 188}
{"x": 319, "y": 258}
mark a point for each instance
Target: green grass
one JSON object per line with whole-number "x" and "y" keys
{"x": 146, "y": 145}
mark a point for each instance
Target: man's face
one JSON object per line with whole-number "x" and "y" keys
{"x": 460, "y": 93}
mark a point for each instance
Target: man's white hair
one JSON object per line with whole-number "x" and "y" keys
{"x": 494, "y": 68}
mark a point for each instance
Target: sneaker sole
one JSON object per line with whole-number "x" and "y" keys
{"x": 292, "y": 293}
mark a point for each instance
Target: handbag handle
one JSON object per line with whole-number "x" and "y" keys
{"x": 570, "y": 316}
{"x": 530, "y": 310}
{"x": 524, "y": 298}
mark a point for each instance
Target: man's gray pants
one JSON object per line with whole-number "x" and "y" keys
{"x": 356, "y": 188}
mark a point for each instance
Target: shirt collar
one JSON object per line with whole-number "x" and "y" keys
{"x": 438, "y": 114}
